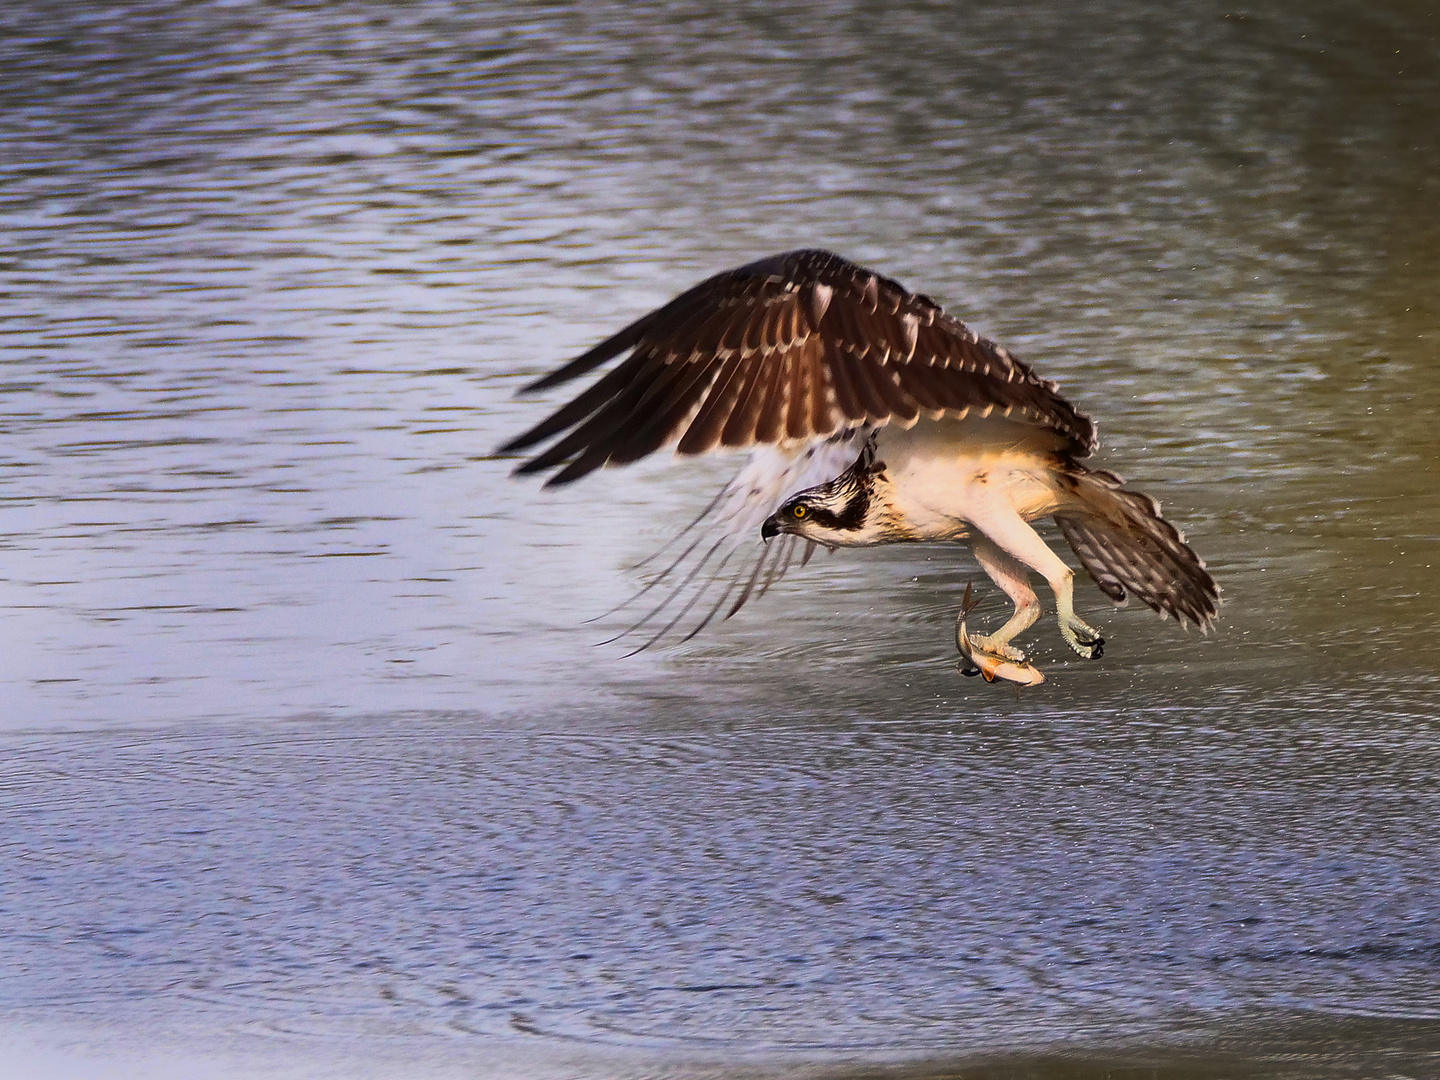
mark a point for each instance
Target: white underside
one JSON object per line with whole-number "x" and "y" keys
{"x": 987, "y": 479}
{"x": 947, "y": 475}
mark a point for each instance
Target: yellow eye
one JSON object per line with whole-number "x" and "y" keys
{"x": 799, "y": 510}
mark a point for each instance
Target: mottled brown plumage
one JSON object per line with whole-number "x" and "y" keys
{"x": 788, "y": 349}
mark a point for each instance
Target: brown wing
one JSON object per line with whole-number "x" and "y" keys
{"x": 788, "y": 349}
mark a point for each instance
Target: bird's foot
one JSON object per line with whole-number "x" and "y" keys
{"x": 1082, "y": 637}
{"x": 986, "y": 643}
{"x": 993, "y": 659}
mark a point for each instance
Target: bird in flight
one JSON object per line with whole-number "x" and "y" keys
{"x": 871, "y": 417}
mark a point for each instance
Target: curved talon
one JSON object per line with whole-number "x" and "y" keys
{"x": 1083, "y": 638}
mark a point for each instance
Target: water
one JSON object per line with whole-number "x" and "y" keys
{"x": 311, "y": 763}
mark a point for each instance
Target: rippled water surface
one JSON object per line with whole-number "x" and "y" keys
{"x": 311, "y": 765}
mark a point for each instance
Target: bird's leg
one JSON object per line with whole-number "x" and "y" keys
{"x": 1014, "y": 579}
{"x": 996, "y": 520}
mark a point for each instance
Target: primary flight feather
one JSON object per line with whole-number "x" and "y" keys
{"x": 872, "y": 417}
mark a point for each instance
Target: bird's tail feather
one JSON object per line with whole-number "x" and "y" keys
{"x": 1129, "y": 549}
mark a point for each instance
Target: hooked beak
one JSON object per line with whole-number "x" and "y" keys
{"x": 770, "y": 529}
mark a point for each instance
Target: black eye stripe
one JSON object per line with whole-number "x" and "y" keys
{"x": 816, "y": 514}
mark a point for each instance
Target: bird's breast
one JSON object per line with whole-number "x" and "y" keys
{"x": 938, "y": 480}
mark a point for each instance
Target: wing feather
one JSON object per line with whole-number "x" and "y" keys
{"x": 847, "y": 397}
{"x": 611, "y": 427}
{"x": 601, "y": 424}
{"x": 668, "y": 414}
{"x": 771, "y": 424}
{"x": 725, "y": 563}
{"x": 853, "y": 329}
{"x": 898, "y": 404}
{"x": 786, "y": 350}
{"x": 704, "y": 431}
{"x": 725, "y": 333}
{"x": 769, "y": 415}
{"x": 867, "y": 390}
{"x": 740, "y": 428}
{"x": 749, "y": 587}
{"x": 744, "y": 388}
{"x": 685, "y": 609}
{"x": 583, "y": 406}
{"x": 924, "y": 389}
{"x": 802, "y": 388}
{"x": 825, "y": 412}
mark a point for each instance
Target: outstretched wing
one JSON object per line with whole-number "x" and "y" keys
{"x": 713, "y": 566}
{"x": 785, "y": 351}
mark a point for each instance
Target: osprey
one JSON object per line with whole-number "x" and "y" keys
{"x": 871, "y": 417}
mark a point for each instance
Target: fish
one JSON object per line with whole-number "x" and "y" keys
{"x": 977, "y": 661}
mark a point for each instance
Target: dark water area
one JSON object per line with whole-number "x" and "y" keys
{"x": 309, "y": 763}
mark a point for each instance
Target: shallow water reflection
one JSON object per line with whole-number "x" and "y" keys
{"x": 783, "y": 885}
{"x": 305, "y": 734}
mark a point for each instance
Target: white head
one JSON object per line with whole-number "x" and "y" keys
{"x": 850, "y": 511}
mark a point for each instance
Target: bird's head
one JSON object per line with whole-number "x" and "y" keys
{"x": 837, "y": 514}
